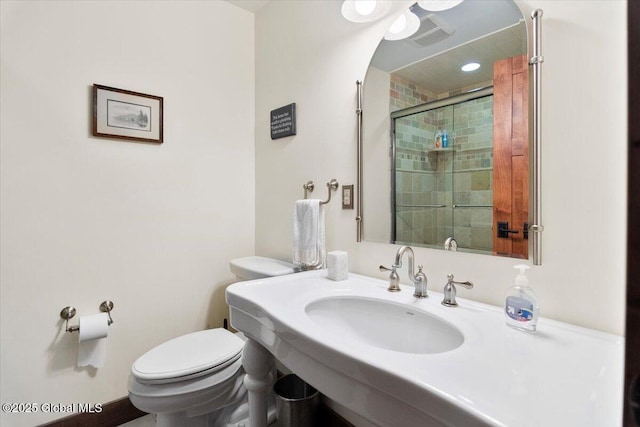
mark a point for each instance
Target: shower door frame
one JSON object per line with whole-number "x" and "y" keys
{"x": 417, "y": 109}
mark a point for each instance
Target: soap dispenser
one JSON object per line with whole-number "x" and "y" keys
{"x": 521, "y": 305}
{"x": 445, "y": 139}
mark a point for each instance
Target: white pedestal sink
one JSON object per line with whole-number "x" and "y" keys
{"x": 401, "y": 361}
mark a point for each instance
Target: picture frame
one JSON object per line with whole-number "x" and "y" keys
{"x": 128, "y": 115}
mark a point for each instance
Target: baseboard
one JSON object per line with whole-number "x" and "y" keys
{"x": 112, "y": 414}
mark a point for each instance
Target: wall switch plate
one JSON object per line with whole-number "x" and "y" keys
{"x": 347, "y": 196}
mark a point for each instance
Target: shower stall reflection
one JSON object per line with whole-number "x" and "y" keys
{"x": 442, "y": 172}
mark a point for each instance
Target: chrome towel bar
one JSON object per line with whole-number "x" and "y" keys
{"x": 331, "y": 186}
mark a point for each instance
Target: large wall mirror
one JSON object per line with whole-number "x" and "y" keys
{"x": 445, "y": 151}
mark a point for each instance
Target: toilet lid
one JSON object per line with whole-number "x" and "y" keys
{"x": 257, "y": 267}
{"x": 188, "y": 356}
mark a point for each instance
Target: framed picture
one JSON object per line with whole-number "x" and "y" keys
{"x": 123, "y": 114}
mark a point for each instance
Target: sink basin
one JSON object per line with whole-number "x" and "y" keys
{"x": 385, "y": 325}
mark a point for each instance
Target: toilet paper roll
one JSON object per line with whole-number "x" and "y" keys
{"x": 337, "y": 265}
{"x": 92, "y": 340}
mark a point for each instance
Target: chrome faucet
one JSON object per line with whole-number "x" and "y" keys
{"x": 450, "y": 244}
{"x": 419, "y": 279}
{"x": 450, "y": 291}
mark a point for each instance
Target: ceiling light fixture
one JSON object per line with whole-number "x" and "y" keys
{"x": 365, "y": 7}
{"x": 471, "y": 66}
{"x": 364, "y": 10}
{"x": 405, "y": 26}
{"x": 438, "y": 5}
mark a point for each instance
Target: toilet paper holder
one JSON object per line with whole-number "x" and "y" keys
{"x": 67, "y": 313}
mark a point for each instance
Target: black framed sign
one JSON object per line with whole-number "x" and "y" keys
{"x": 283, "y": 121}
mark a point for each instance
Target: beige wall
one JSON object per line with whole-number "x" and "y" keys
{"x": 376, "y": 128}
{"x": 306, "y": 53}
{"x": 84, "y": 219}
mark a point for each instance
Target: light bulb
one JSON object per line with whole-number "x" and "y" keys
{"x": 438, "y": 5}
{"x": 364, "y": 10}
{"x": 404, "y": 26}
{"x": 398, "y": 25}
{"x": 365, "y": 7}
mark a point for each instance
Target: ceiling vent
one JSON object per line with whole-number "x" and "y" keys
{"x": 433, "y": 29}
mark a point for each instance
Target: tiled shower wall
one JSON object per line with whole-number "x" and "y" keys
{"x": 460, "y": 175}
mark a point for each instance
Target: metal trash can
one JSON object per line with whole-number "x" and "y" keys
{"x": 296, "y": 402}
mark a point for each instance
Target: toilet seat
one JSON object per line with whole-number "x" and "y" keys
{"x": 187, "y": 357}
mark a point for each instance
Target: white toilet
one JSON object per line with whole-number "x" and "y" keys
{"x": 196, "y": 380}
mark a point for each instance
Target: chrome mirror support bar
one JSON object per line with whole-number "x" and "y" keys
{"x": 536, "y": 63}
{"x": 359, "y": 179}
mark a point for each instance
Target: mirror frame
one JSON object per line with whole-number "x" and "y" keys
{"x": 536, "y": 228}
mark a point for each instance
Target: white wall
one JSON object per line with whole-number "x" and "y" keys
{"x": 376, "y": 130}
{"x": 84, "y": 219}
{"x": 306, "y": 53}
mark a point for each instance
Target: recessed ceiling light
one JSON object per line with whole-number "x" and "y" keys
{"x": 438, "y": 5}
{"x": 406, "y": 25}
{"x": 364, "y": 10}
{"x": 471, "y": 66}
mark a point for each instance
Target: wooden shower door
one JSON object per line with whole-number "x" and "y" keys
{"x": 511, "y": 155}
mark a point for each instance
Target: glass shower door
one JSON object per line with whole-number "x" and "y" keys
{"x": 423, "y": 177}
{"x": 443, "y": 174}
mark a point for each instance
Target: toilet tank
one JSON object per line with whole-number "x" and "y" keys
{"x": 257, "y": 267}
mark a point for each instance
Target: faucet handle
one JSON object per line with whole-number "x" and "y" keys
{"x": 394, "y": 279}
{"x": 449, "y": 299}
{"x": 466, "y": 284}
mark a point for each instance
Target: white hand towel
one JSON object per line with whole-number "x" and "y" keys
{"x": 308, "y": 233}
